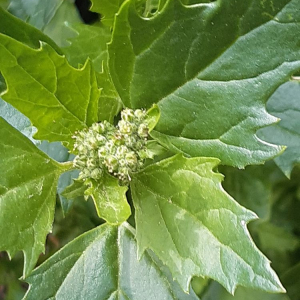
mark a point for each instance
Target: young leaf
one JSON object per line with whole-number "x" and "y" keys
{"x": 107, "y": 9}
{"x": 74, "y": 190}
{"x": 64, "y": 181}
{"x": 89, "y": 42}
{"x": 110, "y": 103}
{"x": 210, "y": 68}
{"x": 199, "y": 229}
{"x": 110, "y": 199}
{"x": 101, "y": 264}
{"x": 285, "y": 104}
{"x": 57, "y": 98}
{"x": 28, "y": 179}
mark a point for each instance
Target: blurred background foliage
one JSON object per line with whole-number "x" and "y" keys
{"x": 263, "y": 189}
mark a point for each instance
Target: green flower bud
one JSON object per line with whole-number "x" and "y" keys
{"x": 96, "y": 173}
{"x": 127, "y": 115}
{"x": 143, "y": 131}
{"x": 131, "y": 159}
{"x": 111, "y": 163}
{"x": 140, "y": 114}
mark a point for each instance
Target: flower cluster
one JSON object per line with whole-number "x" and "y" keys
{"x": 120, "y": 150}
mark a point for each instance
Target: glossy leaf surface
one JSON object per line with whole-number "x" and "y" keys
{"x": 210, "y": 68}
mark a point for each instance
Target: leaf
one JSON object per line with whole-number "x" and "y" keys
{"x": 17, "y": 120}
{"x": 57, "y": 28}
{"x": 210, "y": 68}
{"x": 89, "y": 41}
{"x": 64, "y": 181}
{"x": 75, "y": 190}
{"x": 49, "y": 17}
{"x": 57, "y": 98}
{"x": 183, "y": 202}
{"x": 110, "y": 103}
{"x": 285, "y": 104}
{"x": 101, "y": 264}
{"x": 22, "y": 32}
{"x": 28, "y": 181}
{"x": 107, "y": 9}
{"x": 110, "y": 199}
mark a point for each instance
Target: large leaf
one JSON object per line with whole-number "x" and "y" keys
{"x": 210, "y": 67}
{"x": 285, "y": 104}
{"x": 28, "y": 179}
{"x": 57, "y": 98}
{"x": 110, "y": 199}
{"x": 102, "y": 264}
{"x": 199, "y": 229}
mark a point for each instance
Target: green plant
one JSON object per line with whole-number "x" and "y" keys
{"x": 141, "y": 113}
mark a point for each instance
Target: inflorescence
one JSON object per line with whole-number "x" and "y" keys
{"x": 120, "y": 150}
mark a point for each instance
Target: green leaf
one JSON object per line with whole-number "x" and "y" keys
{"x": 110, "y": 103}
{"x": 28, "y": 179}
{"x": 57, "y": 28}
{"x": 49, "y": 17}
{"x": 199, "y": 229}
{"x": 285, "y": 104}
{"x": 17, "y": 120}
{"x": 75, "y": 190}
{"x": 107, "y": 9}
{"x": 110, "y": 199}
{"x": 101, "y": 264}
{"x": 210, "y": 68}
{"x": 88, "y": 42}
{"x": 22, "y": 32}
{"x": 64, "y": 181}
{"x": 91, "y": 42}
{"x": 57, "y": 98}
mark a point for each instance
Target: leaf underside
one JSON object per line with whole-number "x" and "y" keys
{"x": 210, "y": 68}
{"x": 183, "y": 202}
{"x": 285, "y": 104}
{"x": 28, "y": 180}
{"x": 102, "y": 264}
